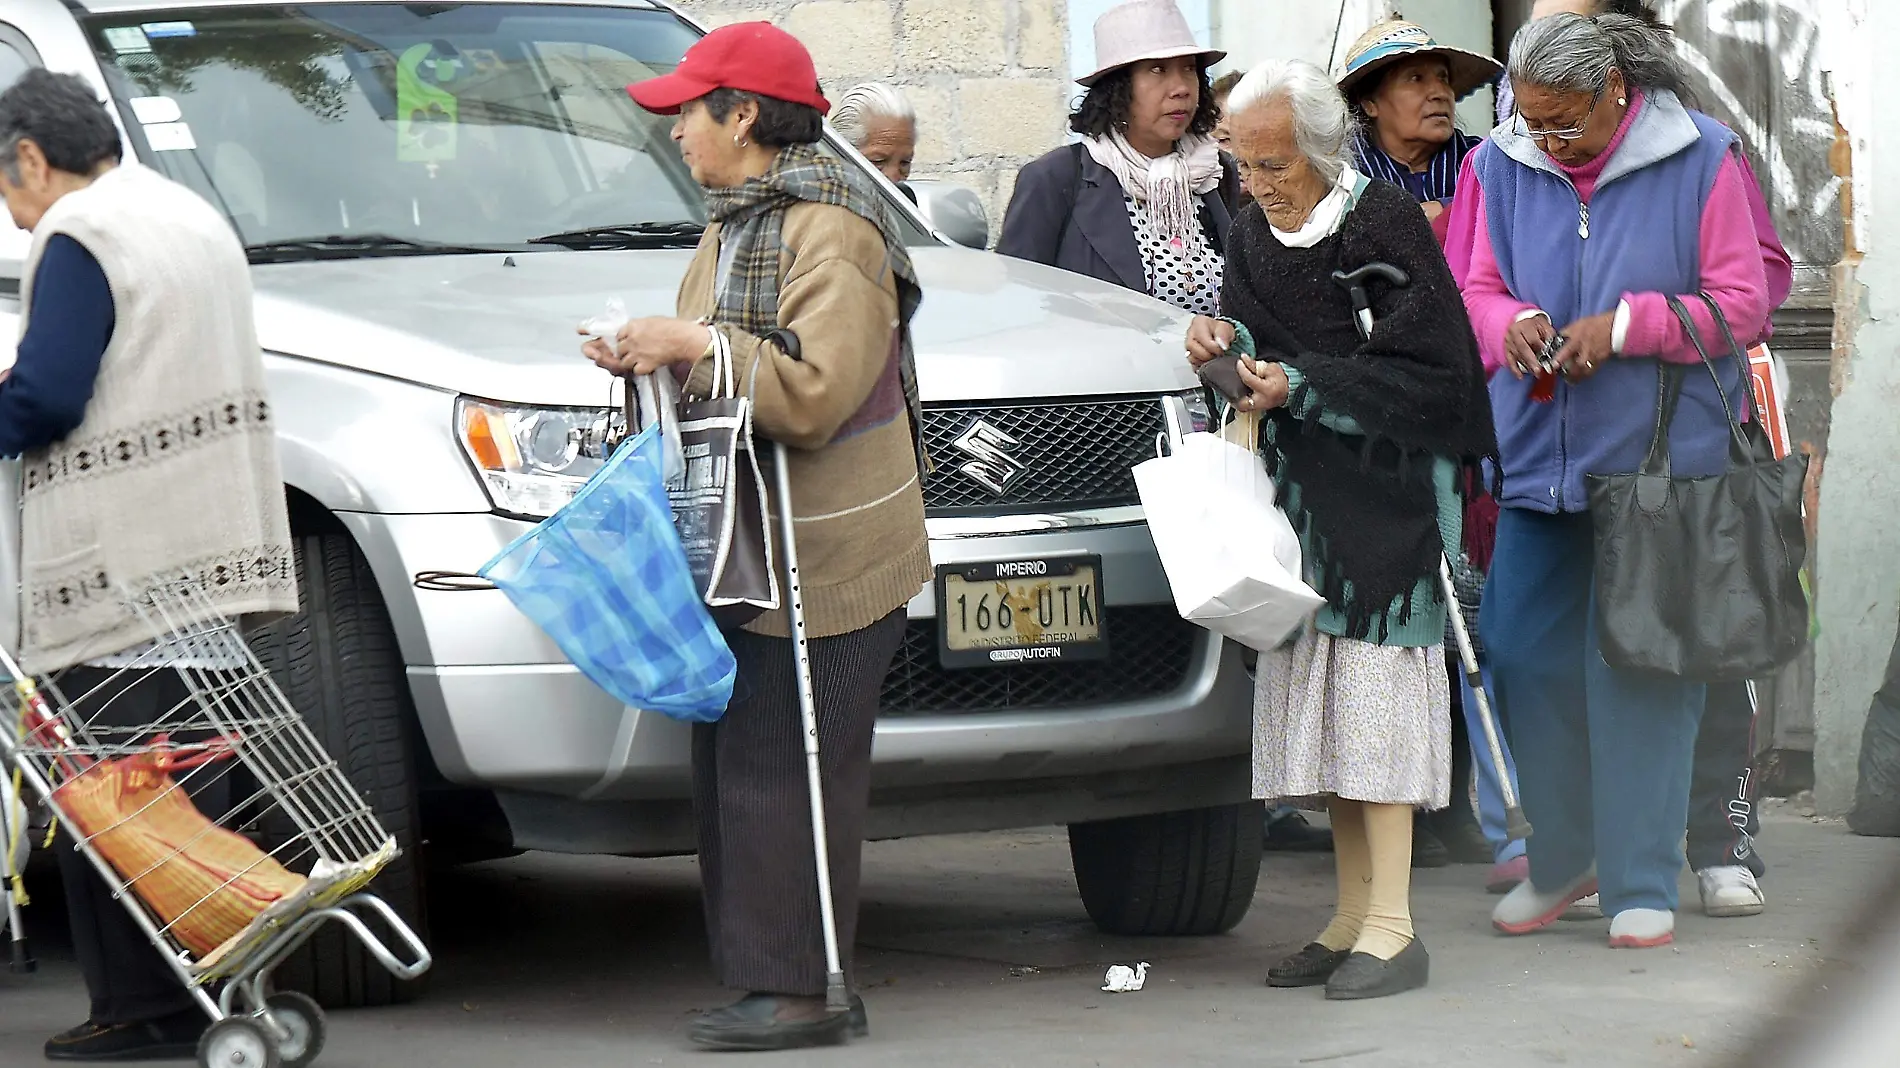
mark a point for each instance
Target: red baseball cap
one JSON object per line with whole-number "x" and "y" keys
{"x": 753, "y": 57}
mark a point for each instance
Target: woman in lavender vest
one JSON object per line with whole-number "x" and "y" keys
{"x": 1601, "y": 199}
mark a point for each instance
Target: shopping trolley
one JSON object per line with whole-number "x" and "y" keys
{"x": 133, "y": 767}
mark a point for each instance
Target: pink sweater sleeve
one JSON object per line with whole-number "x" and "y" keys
{"x": 1488, "y": 300}
{"x": 1775, "y": 262}
{"x": 1732, "y": 273}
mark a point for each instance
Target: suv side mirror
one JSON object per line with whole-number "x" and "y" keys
{"x": 956, "y": 211}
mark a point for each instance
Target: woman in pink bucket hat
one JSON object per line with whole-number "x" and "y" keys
{"x": 1142, "y": 201}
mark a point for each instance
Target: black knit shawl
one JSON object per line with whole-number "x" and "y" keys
{"x": 1417, "y": 388}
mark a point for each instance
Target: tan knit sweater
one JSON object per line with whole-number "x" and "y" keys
{"x": 858, "y": 503}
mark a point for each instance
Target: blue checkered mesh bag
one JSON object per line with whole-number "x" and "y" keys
{"x": 606, "y": 579}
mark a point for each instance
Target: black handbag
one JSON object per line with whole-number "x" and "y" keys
{"x": 1699, "y": 578}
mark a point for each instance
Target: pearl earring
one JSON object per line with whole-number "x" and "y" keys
{"x": 1620, "y": 102}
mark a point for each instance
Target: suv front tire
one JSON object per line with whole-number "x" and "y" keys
{"x": 1173, "y": 873}
{"x": 338, "y": 663}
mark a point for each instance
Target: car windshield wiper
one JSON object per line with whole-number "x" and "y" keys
{"x": 627, "y": 235}
{"x": 350, "y": 246}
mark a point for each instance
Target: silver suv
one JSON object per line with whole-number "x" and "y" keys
{"x": 433, "y": 195}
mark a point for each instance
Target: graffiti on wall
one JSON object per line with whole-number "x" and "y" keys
{"x": 1757, "y": 66}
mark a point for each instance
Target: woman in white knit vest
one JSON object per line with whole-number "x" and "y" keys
{"x": 137, "y": 402}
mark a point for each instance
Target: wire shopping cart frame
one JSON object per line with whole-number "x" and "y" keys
{"x": 225, "y": 895}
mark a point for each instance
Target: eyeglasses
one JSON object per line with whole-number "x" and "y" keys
{"x": 1568, "y": 133}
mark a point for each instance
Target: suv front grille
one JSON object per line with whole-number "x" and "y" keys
{"x": 1151, "y": 651}
{"x": 1074, "y": 454}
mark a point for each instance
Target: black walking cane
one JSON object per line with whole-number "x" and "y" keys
{"x": 1515, "y": 825}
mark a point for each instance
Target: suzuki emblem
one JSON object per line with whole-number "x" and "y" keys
{"x": 991, "y": 466}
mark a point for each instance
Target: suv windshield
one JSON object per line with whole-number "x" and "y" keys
{"x": 392, "y": 129}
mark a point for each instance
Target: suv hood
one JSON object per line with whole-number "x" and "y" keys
{"x": 503, "y": 327}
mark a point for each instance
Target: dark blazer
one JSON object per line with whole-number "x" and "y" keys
{"x": 1069, "y": 211}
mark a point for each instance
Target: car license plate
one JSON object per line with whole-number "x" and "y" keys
{"x": 1041, "y": 610}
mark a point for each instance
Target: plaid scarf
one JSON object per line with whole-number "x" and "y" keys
{"x": 752, "y": 219}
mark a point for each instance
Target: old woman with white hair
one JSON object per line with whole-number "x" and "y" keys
{"x": 1365, "y": 438}
{"x": 881, "y": 124}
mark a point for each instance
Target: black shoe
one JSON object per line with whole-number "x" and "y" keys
{"x": 1463, "y": 839}
{"x": 1309, "y": 967}
{"x": 1366, "y": 976}
{"x": 171, "y": 1038}
{"x": 752, "y": 1025}
{"x": 860, "y": 1023}
{"x": 1427, "y": 850}
{"x": 1292, "y": 834}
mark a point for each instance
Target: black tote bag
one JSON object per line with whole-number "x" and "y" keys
{"x": 1699, "y": 578}
{"x": 719, "y": 504}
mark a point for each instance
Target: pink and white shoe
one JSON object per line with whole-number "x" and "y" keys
{"x": 1526, "y": 909}
{"x": 1506, "y": 876}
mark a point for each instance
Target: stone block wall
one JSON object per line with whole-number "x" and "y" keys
{"x": 989, "y": 78}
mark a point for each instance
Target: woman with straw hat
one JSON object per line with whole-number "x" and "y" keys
{"x": 1143, "y": 201}
{"x": 1403, "y": 86}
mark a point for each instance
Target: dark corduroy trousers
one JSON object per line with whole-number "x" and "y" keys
{"x": 128, "y": 980}
{"x": 753, "y": 809}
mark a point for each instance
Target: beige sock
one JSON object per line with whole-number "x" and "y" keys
{"x": 1388, "y": 925}
{"x": 1354, "y": 864}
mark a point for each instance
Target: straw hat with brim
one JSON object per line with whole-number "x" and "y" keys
{"x": 1140, "y": 30}
{"x": 1394, "y": 40}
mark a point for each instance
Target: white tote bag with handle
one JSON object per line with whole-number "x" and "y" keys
{"x": 1231, "y": 556}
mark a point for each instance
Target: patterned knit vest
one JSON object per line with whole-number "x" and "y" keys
{"x": 173, "y": 476}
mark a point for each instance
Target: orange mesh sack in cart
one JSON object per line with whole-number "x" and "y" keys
{"x": 207, "y": 883}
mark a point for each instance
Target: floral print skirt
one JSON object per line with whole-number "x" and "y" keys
{"x": 1339, "y": 717}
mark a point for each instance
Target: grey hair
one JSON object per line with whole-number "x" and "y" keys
{"x": 1575, "y": 54}
{"x": 1322, "y": 123}
{"x": 867, "y": 101}
{"x": 10, "y": 156}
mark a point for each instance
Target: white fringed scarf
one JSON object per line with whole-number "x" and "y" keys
{"x": 1167, "y": 186}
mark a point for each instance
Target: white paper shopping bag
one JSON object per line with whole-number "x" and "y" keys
{"x": 1232, "y": 559}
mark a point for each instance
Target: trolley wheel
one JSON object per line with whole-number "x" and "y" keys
{"x": 300, "y": 1015}
{"x": 237, "y": 1042}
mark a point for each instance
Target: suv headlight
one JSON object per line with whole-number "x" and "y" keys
{"x": 533, "y": 460}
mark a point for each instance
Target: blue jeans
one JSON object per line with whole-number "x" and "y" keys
{"x": 1490, "y": 790}
{"x": 1605, "y": 755}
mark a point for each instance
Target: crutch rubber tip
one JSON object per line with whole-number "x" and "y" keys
{"x": 837, "y": 997}
{"x": 22, "y": 962}
{"x": 1515, "y": 825}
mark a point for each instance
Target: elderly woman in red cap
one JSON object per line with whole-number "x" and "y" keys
{"x": 802, "y": 271}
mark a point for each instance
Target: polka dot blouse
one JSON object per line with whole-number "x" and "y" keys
{"x": 1185, "y": 273}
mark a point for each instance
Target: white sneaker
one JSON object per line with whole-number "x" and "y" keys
{"x": 1730, "y": 890}
{"x": 1584, "y": 908}
{"x": 1642, "y": 929}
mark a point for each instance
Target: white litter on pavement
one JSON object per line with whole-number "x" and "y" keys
{"x": 1121, "y": 979}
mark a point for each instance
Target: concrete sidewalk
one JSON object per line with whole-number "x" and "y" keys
{"x": 975, "y": 952}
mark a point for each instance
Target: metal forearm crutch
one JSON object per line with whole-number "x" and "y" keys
{"x": 837, "y": 998}
{"x": 1515, "y": 825}
{"x": 21, "y": 959}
